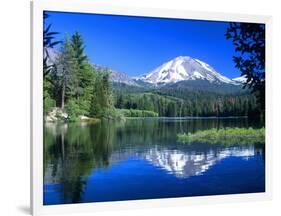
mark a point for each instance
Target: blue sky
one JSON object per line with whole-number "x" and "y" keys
{"x": 137, "y": 45}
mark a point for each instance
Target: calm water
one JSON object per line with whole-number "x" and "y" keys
{"x": 141, "y": 159}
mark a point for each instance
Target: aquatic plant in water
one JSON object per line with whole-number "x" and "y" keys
{"x": 226, "y": 136}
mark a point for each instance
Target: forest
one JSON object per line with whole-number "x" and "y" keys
{"x": 76, "y": 87}
{"x": 175, "y": 103}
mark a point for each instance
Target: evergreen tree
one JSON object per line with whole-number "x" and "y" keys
{"x": 87, "y": 81}
{"x": 78, "y": 48}
{"x": 120, "y": 101}
{"x": 67, "y": 71}
{"x": 102, "y": 100}
{"x": 85, "y": 75}
{"x": 249, "y": 40}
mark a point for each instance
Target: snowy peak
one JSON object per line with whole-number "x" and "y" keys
{"x": 241, "y": 79}
{"x": 184, "y": 68}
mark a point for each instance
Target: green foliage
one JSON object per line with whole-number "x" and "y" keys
{"x": 226, "y": 136}
{"x": 48, "y": 43}
{"x": 102, "y": 100}
{"x": 73, "y": 110}
{"x": 76, "y": 86}
{"x": 78, "y": 47}
{"x": 91, "y": 120}
{"x": 84, "y": 89}
{"x": 137, "y": 113}
{"x": 74, "y": 151}
{"x": 48, "y": 35}
{"x": 193, "y": 104}
{"x": 48, "y": 67}
{"x": 67, "y": 73}
{"x": 249, "y": 40}
{"x": 48, "y": 93}
{"x": 49, "y": 103}
{"x": 112, "y": 114}
{"x": 87, "y": 81}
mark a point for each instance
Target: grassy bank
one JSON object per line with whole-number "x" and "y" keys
{"x": 137, "y": 113}
{"x": 226, "y": 136}
{"x": 90, "y": 120}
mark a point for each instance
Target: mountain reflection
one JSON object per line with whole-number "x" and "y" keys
{"x": 185, "y": 164}
{"x": 73, "y": 152}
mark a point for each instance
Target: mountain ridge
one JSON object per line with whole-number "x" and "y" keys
{"x": 183, "y": 68}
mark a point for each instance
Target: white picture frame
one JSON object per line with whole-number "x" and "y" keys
{"x": 37, "y": 8}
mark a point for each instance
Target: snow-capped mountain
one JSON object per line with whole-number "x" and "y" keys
{"x": 184, "y": 68}
{"x": 241, "y": 79}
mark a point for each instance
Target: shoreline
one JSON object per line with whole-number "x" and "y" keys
{"x": 98, "y": 120}
{"x": 190, "y": 117}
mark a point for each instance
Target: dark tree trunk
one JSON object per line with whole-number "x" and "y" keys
{"x": 63, "y": 95}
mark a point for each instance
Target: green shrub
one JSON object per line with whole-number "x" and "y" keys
{"x": 49, "y": 103}
{"x": 227, "y": 136}
{"x": 137, "y": 113}
{"x": 112, "y": 114}
{"x": 73, "y": 110}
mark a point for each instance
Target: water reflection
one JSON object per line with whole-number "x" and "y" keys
{"x": 185, "y": 164}
{"x": 74, "y": 152}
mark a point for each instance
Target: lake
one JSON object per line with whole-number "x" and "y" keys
{"x": 142, "y": 159}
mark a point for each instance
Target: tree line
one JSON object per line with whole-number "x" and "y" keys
{"x": 243, "y": 105}
{"x": 72, "y": 83}
{"x": 79, "y": 88}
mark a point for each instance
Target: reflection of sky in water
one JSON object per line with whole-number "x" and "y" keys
{"x": 160, "y": 172}
{"x": 144, "y": 161}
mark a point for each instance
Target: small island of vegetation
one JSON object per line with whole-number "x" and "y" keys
{"x": 225, "y": 136}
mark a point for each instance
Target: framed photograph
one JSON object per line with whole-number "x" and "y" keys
{"x": 142, "y": 107}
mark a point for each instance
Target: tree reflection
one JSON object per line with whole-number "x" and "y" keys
{"x": 72, "y": 151}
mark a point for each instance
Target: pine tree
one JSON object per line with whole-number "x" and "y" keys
{"x": 102, "y": 100}
{"x": 78, "y": 46}
{"x": 67, "y": 71}
{"x": 249, "y": 42}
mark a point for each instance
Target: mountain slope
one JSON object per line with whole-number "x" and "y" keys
{"x": 184, "y": 68}
{"x": 202, "y": 87}
{"x": 241, "y": 79}
{"x": 120, "y": 77}
{"x": 116, "y": 76}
